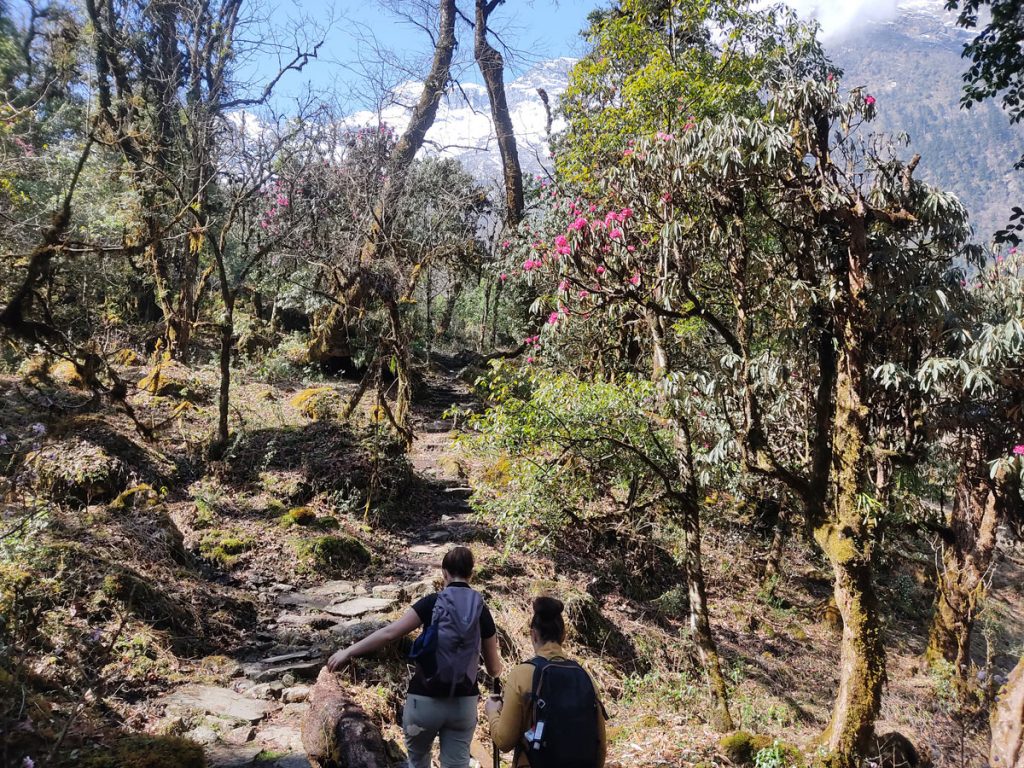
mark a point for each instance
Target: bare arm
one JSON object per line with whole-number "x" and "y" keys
{"x": 396, "y": 629}
{"x": 492, "y": 656}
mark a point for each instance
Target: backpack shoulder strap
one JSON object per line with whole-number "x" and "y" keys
{"x": 538, "y": 663}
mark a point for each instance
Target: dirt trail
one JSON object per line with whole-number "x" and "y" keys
{"x": 256, "y": 720}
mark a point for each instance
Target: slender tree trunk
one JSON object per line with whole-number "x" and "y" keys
{"x": 700, "y": 623}
{"x": 400, "y": 348}
{"x": 495, "y": 315}
{"x": 449, "y": 312}
{"x": 484, "y": 320}
{"x": 428, "y": 334}
{"x": 492, "y": 68}
{"x": 689, "y": 514}
{"x": 773, "y": 560}
{"x": 227, "y": 333}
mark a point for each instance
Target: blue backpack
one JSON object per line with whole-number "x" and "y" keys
{"x": 452, "y": 638}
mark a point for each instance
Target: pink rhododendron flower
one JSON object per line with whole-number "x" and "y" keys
{"x": 662, "y": 136}
{"x": 591, "y": 207}
{"x": 503, "y": 277}
{"x": 561, "y": 240}
{"x": 1018, "y": 450}
{"x": 529, "y": 360}
{"x": 553, "y": 318}
{"x": 666, "y": 197}
{"x": 600, "y": 270}
{"x": 528, "y": 265}
{"x": 506, "y": 243}
{"x": 583, "y": 294}
{"x": 869, "y": 100}
{"x": 579, "y": 224}
{"x": 282, "y": 200}
{"x": 563, "y": 286}
{"x": 635, "y": 279}
{"x": 631, "y": 248}
{"x": 615, "y": 234}
{"x": 627, "y": 153}
{"x": 626, "y": 213}
{"x": 563, "y": 250}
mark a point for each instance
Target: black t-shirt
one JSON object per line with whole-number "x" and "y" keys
{"x": 419, "y": 686}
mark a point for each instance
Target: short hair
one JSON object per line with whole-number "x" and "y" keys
{"x": 458, "y": 562}
{"x": 547, "y": 619}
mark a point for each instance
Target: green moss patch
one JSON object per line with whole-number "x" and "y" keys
{"x": 338, "y": 553}
{"x": 224, "y": 547}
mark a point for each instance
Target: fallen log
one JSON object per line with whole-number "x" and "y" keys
{"x": 336, "y": 732}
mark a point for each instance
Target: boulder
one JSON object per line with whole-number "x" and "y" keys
{"x": 78, "y": 471}
{"x": 317, "y": 403}
{"x": 170, "y": 378}
{"x": 894, "y": 750}
{"x": 336, "y": 732}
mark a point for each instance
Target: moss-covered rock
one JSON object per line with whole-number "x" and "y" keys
{"x": 224, "y": 547}
{"x": 170, "y": 378}
{"x": 142, "y": 751}
{"x": 297, "y": 516}
{"x": 741, "y": 746}
{"x": 126, "y": 357}
{"x": 64, "y": 372}
{"x": 337, "y": 553}
{"x": 77, "y": 471}
{"x": 317, "y": 403}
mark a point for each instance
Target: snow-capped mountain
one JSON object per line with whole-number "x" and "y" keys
{"x": 906, "y": 54}
{"x": 463, "y": 128}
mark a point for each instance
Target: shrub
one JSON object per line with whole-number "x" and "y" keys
{"x": 317, "y": 403}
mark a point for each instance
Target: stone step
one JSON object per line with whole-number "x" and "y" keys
{"x": 350, "y": 609}
{"x": 221, "y": 702}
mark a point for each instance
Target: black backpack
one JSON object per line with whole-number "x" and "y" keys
{"x": 563, "y": 717}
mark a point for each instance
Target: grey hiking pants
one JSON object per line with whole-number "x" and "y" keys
{"x": 453, "y": 720}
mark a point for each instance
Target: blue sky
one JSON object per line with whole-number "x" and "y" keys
{"x": 538, "y": 30}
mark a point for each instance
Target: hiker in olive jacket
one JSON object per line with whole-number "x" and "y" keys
{"x": 512, "y": 717}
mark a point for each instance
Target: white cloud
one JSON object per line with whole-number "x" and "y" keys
{"x": 840, "y": 17}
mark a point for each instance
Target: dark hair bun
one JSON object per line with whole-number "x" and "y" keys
{"x": 548, "y": 607}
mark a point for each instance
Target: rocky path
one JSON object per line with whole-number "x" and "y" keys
{"x": 256, "y": 719}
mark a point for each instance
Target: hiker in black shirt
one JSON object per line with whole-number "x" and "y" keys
{"x": 443, "y": 693}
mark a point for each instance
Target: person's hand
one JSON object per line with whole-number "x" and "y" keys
{"x": 492, "y": 707}
{"x": 339, "y": 660}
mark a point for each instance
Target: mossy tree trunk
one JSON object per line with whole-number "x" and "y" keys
{"x": 846, "y": 536}
{"x": 700, "y": 623}
{"x": 966, "y": 554}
